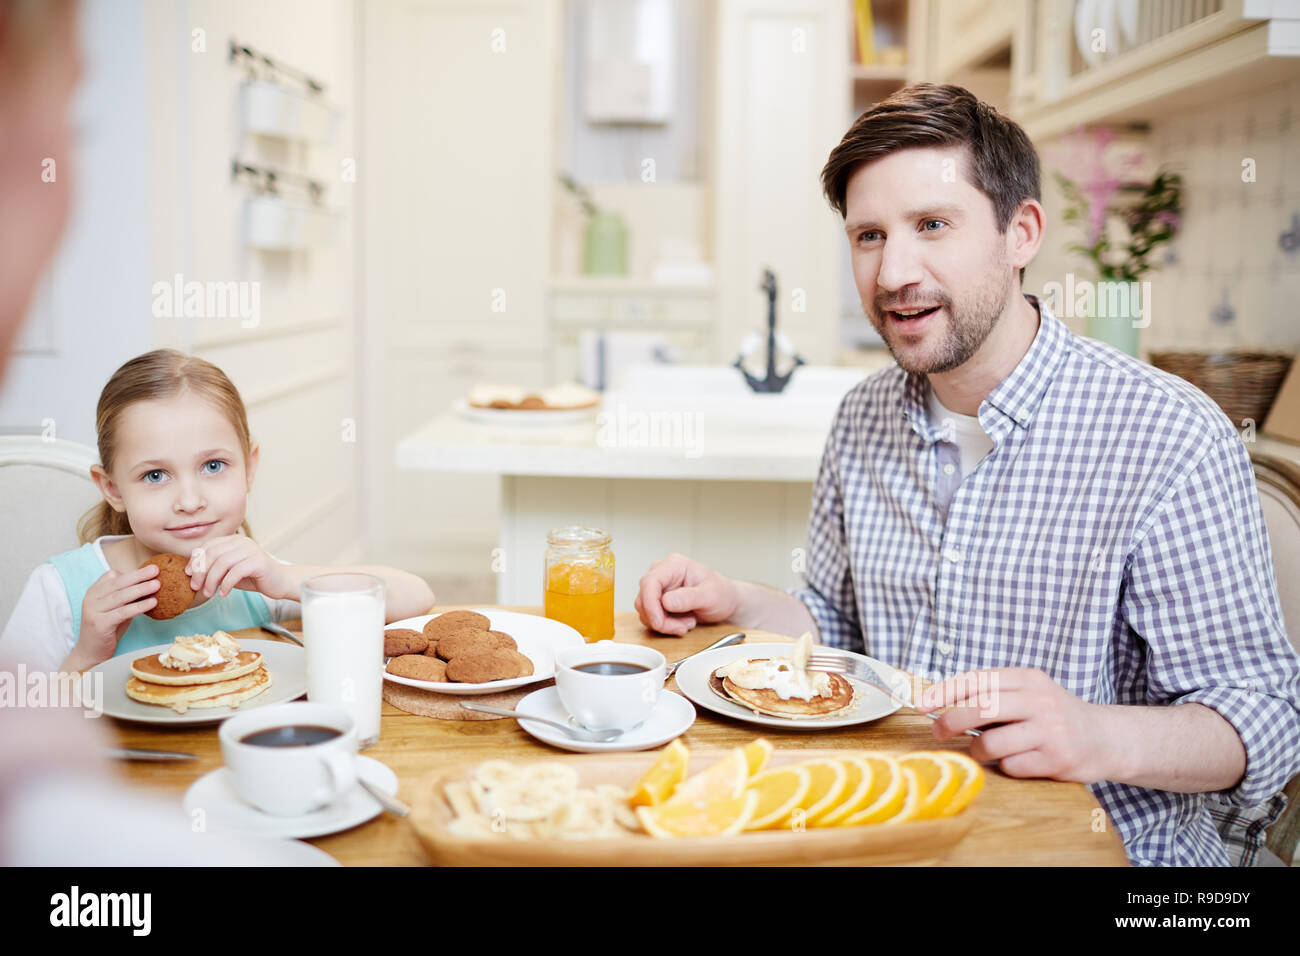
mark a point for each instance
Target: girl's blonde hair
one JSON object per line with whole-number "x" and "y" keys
{"x": 162, "y": 373}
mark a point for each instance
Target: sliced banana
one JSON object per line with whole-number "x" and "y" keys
{"x": 538, "y": 801}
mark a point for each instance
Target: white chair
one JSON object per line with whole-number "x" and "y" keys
{"x": 45, "y": 488}
{"x": 1278, "y": 481}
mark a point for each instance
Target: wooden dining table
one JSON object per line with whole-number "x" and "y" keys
{"x": 1018, "y": 822}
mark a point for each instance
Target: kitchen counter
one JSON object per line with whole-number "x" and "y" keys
{"x": 678, "y": 459}
{"x": 610, "y": 446}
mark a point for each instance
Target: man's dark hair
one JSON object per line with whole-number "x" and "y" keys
{"x": 1001, "y": 161}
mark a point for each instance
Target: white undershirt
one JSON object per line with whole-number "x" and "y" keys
{"x": 966, "y": 433}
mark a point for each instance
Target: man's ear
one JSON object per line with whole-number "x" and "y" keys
{"x": 1025, "y": 235}
{"x": 107, "y": 488}
{"x": 254, "y": 454}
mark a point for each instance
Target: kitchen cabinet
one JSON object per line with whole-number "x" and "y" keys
{"x": 455, "y": 175}
{"x": 968, "y": 32}
{"x": 1162, "y": 59}
{"x": 782, "y": 101}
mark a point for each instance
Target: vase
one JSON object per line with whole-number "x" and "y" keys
{"x": 1120, "y": 331}
{"x": 606, "y": 248}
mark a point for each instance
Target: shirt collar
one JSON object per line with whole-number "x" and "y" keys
{"x": 1018, "y": 396}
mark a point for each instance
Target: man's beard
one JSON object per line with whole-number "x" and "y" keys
{"x": 966, "y": 330}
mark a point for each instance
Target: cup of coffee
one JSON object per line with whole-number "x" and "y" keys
{"x": 290, "y": 759}
{"x": 609, "y": 686}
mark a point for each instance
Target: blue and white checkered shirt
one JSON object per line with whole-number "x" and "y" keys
{"x": 1112, "y": 538}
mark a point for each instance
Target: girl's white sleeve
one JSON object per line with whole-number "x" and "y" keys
{"x": 39, "y": 633}
{"x": 283, "y": 609}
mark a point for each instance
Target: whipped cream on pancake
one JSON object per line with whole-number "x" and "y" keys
{"x": 787, "y": 676}
{"x": 200, "y": 650}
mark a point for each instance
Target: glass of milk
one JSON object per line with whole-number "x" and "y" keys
{"x": 343, "y": 629}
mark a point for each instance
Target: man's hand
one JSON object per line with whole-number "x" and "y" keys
{"x": 677, "y": 593}
{"x": 1032, "y": 726}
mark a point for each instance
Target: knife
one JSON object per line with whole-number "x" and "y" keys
{"x": 735, "y": 637}
{"x": 137, "y": 753}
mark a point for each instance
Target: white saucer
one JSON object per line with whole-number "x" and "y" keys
{"x": 672, "y": 716}
{"x": 224, "y": 809}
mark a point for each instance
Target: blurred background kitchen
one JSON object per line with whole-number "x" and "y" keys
{"x": 386, "y": 204}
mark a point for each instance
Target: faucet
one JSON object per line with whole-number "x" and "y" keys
{"x": 771, "y": 383}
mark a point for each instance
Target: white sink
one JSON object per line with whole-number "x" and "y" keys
{"x": 719, "y": 393}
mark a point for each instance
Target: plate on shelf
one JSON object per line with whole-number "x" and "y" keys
{"x": 524, "y": 417}
{"x": 539, "y": 638}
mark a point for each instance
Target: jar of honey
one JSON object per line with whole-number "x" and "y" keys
{"x": 578, "y": 577}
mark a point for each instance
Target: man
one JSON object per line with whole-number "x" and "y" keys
{"x": 1025, "y": 515}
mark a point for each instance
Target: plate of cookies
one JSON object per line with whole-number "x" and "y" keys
{"x": 473, "y": 652}
{"x": 515, "y": 405}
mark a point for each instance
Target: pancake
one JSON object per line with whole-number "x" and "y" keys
{"x": 180, "y": 698}
{"x": 766, "y": 701}
{"x": 151, "y": 670}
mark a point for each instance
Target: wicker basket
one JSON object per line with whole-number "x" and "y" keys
{"x": 1243, "y": 383}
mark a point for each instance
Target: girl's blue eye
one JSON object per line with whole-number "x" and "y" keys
{"x": 221, "y": 466}
{"x": 928, "y": 221}
{"x": 867, "y": 236}
{"x": 148, "y": 476}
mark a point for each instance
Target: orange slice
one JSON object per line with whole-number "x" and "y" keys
{"x": 659, "y": 782}
{"x": 886, "y": 795}
{"x": 972, "y": 782}
{"x": 725, "y": 779}
{"x": 699, "y": 818}
{"x": 780, "y": 793}
{"x": 913, "y": 789}
{"x": 827, "y": 788}
{"x": 937, "y": 779}
{"x": 757, "y": 753}
{"x": 857, "y": 787}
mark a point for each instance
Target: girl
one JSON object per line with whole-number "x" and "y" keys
{"x": 176, "y": 467}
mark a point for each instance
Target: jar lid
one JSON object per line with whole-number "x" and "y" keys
{"x": 577, "y": 536}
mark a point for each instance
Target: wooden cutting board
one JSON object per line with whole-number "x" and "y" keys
{"x": 916, "y": 842}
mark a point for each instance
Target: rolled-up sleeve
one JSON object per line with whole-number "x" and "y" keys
{"x": 828, "y": 580}
{"x": 1201, "y": 593}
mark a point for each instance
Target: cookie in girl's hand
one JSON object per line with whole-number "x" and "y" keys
{"x": 175, "y": 594}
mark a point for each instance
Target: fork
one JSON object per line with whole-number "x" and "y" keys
{"x": 861, "y": 670}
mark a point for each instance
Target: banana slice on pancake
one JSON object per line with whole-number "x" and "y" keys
{"x": 783, "y": 686}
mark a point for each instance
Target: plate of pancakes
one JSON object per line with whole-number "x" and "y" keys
{"x": 850, "y": 702}
{"x": 478, "y": 651}
{"x": 137, "y": 687}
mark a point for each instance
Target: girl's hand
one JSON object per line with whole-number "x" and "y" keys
{"x": 107, "y": 611}
{"x": 236, "y": 561}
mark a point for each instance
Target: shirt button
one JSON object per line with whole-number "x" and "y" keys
{"x": 948, "y": 469}
{"x": 953, "y": 555}
{"x": 945, "y": 648}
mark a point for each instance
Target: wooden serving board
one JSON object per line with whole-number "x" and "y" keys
{"x": 916, "y": 842}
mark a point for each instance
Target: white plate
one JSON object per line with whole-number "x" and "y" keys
{"x": 671, "y": 718}
{"x": 538, "y": 639}
{"x": 224, "y": 809}
{"x": 869, "y": 703}
{"x": 515, "y": 417}
{"x": 286, "y": 662}
{"x": 277, "y": 851}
